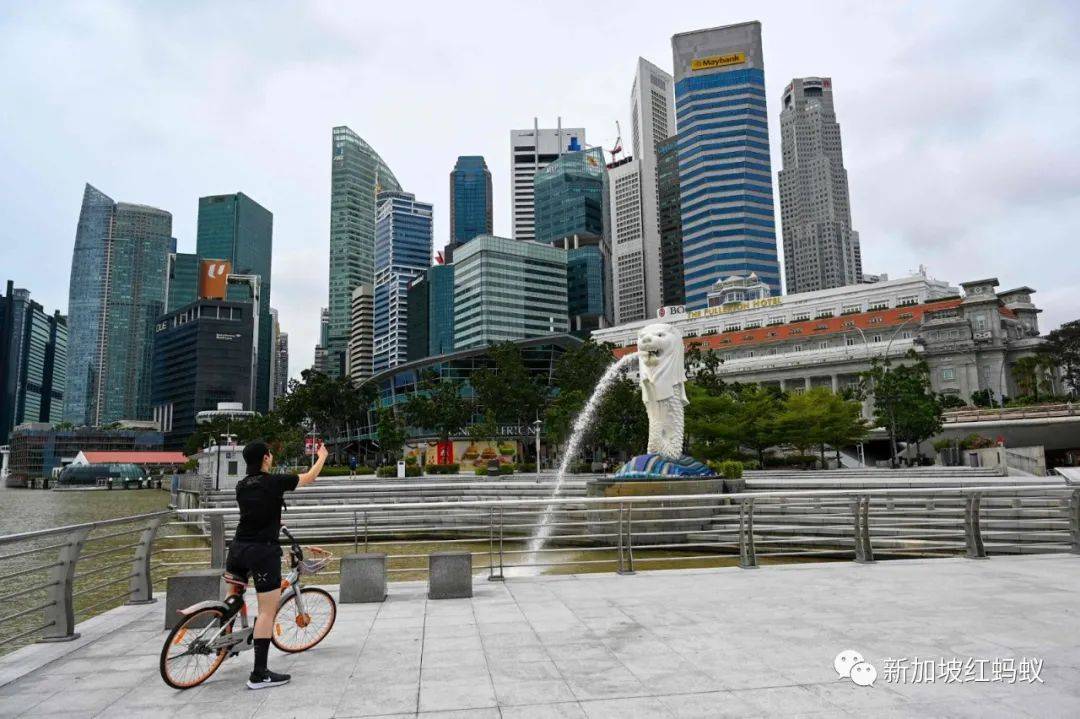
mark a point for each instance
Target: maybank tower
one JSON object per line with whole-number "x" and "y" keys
{"x": 725, "y": 175}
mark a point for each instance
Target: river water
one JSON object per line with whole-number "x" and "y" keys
{"x": 24, "y": 510}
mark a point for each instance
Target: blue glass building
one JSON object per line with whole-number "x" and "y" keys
{"x": 118, "y": 279}
{"x": 725, "y": 177}
{"x": 470, "y": 199}
{"x": 571, "y": 212}
{"x": 403, "y": 241}
{"x": 431, "y": 313}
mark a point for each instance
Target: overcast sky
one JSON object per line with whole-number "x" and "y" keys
{"x": 960, "y": 120}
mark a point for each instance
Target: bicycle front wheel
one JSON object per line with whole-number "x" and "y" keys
{"x": 295, "y": 630}
{"x": 186, "y": 660}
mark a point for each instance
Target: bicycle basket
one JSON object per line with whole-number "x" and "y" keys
{"x": 316, "y": 561}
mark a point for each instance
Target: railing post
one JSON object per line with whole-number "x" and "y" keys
{"x": 972, "y": 532}
{"x": 367, "y": 533}
{"x": 491, "y": 544}
{"x": 355, "y": 534}
{"x": 60, "y": 612}
{"x": 502, "y": 526}
{"x": 142, "y": 584}
{"x": 618, "y": 539}
{"x": 864, "y": 551}
{"x": 217, "y": 541}
{"x": 1074, "y": 520}
{"x": 627, "y": 545}
{"x": 747, "y": 555}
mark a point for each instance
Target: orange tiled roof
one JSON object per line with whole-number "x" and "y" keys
{"x": 876, "y": 320}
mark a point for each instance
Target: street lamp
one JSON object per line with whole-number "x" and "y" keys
{"x": 885, "y": 356}
{"x": 536, "y": 431}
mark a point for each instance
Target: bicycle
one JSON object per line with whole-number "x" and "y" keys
{"x": 199, "y": 644}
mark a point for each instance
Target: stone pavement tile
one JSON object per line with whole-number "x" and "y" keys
{"x": 433, "y": 629}
{"x": 489, "y": 713}
{"x": 155, "y": 693}
{"x": 363, "y": 698}
{"x": 528, "y": 653}
{"x": 206, "y": 710}
{"x": 629, "y": 708}
{"x": 708, "y": 705}
{"x": 36, "y": 682}
{"x": 12, "y": 705}
{"x": 853, "y": 698}
{"x": 588, "y": 681}
{"x": 503, "y": 627}
{"x": 455, "y": 672}
{"x": 516, "y": 692}
{"x": 443, "y": 657}
{"x": 469, "y": 643}
{"x": 583, "y": 651}
{"x": 446, "y": 695}
{"x": 561, "y": 710}
{"x": 784, "y": 701}
{"x": 87, "y": 701}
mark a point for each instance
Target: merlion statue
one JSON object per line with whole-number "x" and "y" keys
{"x": 662, "y": 374}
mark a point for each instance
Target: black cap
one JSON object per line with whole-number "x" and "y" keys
{"x": 253, "y": 455}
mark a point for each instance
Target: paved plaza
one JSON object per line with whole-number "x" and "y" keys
{"x": 695, "y": 643}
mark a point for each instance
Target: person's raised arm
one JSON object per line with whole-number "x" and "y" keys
{"x": 309, "y": 476}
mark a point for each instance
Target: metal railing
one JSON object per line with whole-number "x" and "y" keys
{"x": 1037, "y": 411}
{"x": 54, "y": 577}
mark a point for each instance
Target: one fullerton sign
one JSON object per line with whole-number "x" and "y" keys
{"x": 714, "y": 61}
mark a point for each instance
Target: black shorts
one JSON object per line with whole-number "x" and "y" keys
{"x": 261, "y": 562}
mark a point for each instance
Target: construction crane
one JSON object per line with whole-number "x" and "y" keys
{"x": 617, "y": 150}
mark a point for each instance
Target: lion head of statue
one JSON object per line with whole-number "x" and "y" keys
{"x": 660, "y": 357}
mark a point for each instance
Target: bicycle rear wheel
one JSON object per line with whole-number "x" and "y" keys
{"x": 186, "y": 662}
{"x": 295, "y": 631}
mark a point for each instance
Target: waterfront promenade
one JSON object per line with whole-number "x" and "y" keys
{"x": 693, "y": 643}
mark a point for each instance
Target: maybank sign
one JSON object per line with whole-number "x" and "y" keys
{"x": 735, "y": 307}
{"x": 715, "y": 61}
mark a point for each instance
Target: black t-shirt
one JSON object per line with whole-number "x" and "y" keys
{"x": 260, "y": 497}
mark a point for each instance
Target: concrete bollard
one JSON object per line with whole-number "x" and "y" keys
{"x": 449, "y": 575}
{"x": 363, "y": 578}
{"x": 191, "y": 587}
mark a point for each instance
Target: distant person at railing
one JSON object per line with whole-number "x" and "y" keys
{"x": 255, "y": 550}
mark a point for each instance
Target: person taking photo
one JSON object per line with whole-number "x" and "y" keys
{"x": 255, "y": 551}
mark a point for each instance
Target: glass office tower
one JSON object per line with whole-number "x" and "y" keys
{"x": 117, "y": 291}
{"x": 725, "y": 175}
{"x": 357, "y": 175}
{"x": 238, "y": 229}
{"x": 403, "y": 241}
{"x": 470, "y": 199}
{"x": 33, "y": 361}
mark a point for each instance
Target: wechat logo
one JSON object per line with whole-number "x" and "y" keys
{"x": 850, "y": 664}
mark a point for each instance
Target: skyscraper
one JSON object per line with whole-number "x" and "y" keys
{"x": 531, "y": 151}
{"x": 724, "y": 173}
{"x": 652, "y": 120}
{"x": 117, "y": 291}
{"x": 627, "y": 233}
{"x": 571, "y": 200}
{"x": 238, "y": 229}
{"x": 275, "y": 330}
{"x": 203, "y": 354}
{"x": 673, "y": 291}
{"x": 820, "y": 248}
{"x": 281, "y": 377}
{"x": 431, "y": 313}
{"x": 403, "y": 241}
{"x": 33, "y": 361}
{"x": 470, "y": 199}
{"x": 357, "y": 175}
{"x": 361, "y": 334}
{"x": 320, "y": 348}
{"x": 183, "y": 280}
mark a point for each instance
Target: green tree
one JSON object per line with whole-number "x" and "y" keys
{"x": 801, "y": 421}
{"x": 507, "y": 388}
{"x": 486, "y": 430}
{"x": 757, "y": 410}
{"x": 438, "y": 406}
{"x": 391, "y": 434}
{"x": 843, "y": 424}
{"x": 711, "y": 425}
{"x": 904, "y": 402}
{"x": 1063, "y": 349}
{"x": 1032, "y": 375}
{"x": 622, "y": 426}
{"x": 332, "y": 406}
{"x": 703, "y": 368}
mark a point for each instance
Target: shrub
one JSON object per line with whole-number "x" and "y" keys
{"x": 335, "y": 471}
{"x": 506, "y": 468}
{"x": 481, "y": 471}
{"x": 731, "y": 469}
{"x": 942, "y": 444}
{"x": 976, "y": 441}
{"x": 410, "y": 460}
{"x": 364, "y": 469}
{"x": 527, "y": 467}
{"x": 751, "y": 464}
{"x": 451, "y": 468}
{"x": 387, "y": 470}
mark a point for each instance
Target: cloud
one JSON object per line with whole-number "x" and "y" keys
{"x": 959, "y": 126}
